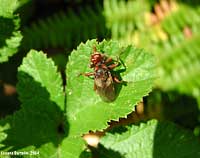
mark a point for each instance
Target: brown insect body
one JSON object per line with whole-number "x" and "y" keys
{"x": 103, "y": 84}
{"x": 103, "y": 79}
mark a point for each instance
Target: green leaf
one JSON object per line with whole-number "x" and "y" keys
{"x": 73, "y": 148}
{"x": 35, "y": 128}
{"x": 30, "y": 125}
{"x": 7, "y": 7}
{"x": 41, "y": 124}
{"x": 2, "y": 133}
{"x": 10, "y": 36}
{"x": 85, "y": 109}
{"x": 153, "y": 139}
{"x": 36, "y": 67}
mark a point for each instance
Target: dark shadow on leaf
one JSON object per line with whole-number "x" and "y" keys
{"x": 118, "y": 86}
{"x": 102, "y": 152}
{"x": 7, "y": 27}
{"x": 169, "y": 138}
{"x": 39, "y": 121}
{"x": 118, "y": 129}
{"x": 172, "y": 141}
{"x": 85, "y": 154}
{"x": 179, "y": 108}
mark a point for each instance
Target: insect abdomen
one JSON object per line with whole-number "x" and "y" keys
{"x": 105, "y": 87}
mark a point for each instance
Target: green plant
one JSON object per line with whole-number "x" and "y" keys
{"x": 177, "y": 52}
{"x": 10, "y": 36}
{"x": 58, "y": 106}
{"x": 65, "y": 29}
{"x": 46, "y": 107}
{"x": 152, "y": 139}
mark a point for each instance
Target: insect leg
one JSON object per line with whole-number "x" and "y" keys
{"x": 95, "y": 87}
{"x": 87, "y": 74}
{"x": 112, "y": 66}
{"x": 116, "y": 80}
{"x": 108, "y": 60}
{"x": 121, "y": 62}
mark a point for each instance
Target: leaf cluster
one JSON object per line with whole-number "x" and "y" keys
{"x": 53, "y": 120}
{"x": 57, "y": 109}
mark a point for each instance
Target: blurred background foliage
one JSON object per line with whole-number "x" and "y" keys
{"x": 167, "y": 28}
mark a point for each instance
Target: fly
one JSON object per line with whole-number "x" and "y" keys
{"x": 103, "y": 78}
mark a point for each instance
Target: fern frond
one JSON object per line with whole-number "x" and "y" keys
{"x": 178, "y": 55}
{"x": 125, "y": 17}
{"x": 180, "y": 69}
{"x": 184, "y": 16}
{"x": 65, "y": 29}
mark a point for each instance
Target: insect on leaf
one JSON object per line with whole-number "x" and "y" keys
{"x": 85, "y": 108}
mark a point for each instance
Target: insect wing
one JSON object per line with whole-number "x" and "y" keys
{"x": 105, "y": 88}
